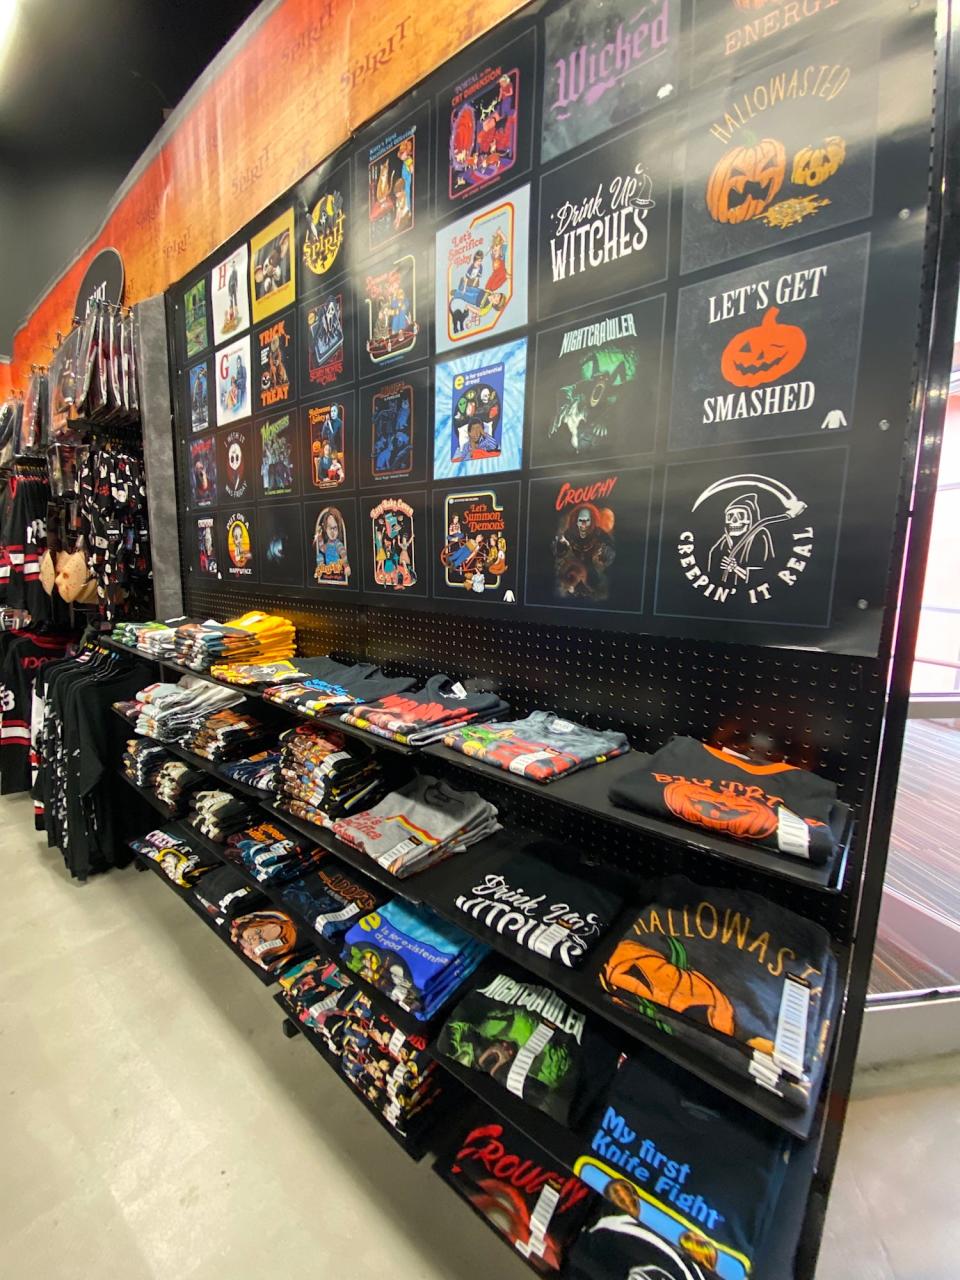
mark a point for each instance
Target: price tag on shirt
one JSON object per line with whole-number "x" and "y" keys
{"x": 540, "y": 1218}
{"x": 520, "y": 1067}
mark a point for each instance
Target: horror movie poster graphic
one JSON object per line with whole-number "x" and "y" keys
{"x": 481, "y": 272}
{"x": 280, "y": 528}
{"x": 486, "y": 120}
{"x": 240, "y": 540}
{"x": 393, "y": 182}
{"x": 478, "y": 412}
{"x": 785, "y": 152}
{"x": 396, "y": 551}
{"x": 597, "y": 386}
{"x": 232, "y": 365}
{"x": 196, "y": 333}
{"x": 326, "y": 341}
{"x": 328, "y": 427}
{"x": 323, "y": 201}
{"x": 330, "y": 544}
{"x": 752, "y": 538}
{"x": 394, "y": 427}
{"x": 228, "y": 295}
{"x": 477, "y": 533}
{"x": 234, "y": 463}
{"x": 203, "y": 471}
{"x": 771, "y": 351}
{"x": 206, "y": 554}
{"x": 604, "y": 219}
{"x": 587, "y": 540}
{"x": 275, "y": 380}
{"x": 388, "y": 313}
{"x": 198, "y": 390}
{"x": 276, "y": 439}
{"x": 605, "y": 67}
{"x": 272, "y": 285}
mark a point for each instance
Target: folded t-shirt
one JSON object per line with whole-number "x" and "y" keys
{"x": 423, "y": 715}
{"x": 542, "y": 746}
{"x": 331, "y": 897}
{"x": 777, "y": 806}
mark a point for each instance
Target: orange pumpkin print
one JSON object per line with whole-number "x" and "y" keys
{"x": 646, "y": 973}
{"x": 764, "y": 353}
{"x": 745, "y": 180}
{"x": 702, "y": 805}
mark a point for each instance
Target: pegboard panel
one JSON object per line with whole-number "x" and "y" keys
{"x": 820, "y": 711}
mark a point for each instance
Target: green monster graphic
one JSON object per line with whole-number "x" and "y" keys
{"x": 492, "y": 1045}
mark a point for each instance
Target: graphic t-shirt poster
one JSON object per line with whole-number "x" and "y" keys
{"x": 477, "y": 535}
{"x": 329, "y": 428}
{"x": 233, "y": 381}
{"x": 228, "y": 292}
{"x": 393, "y": 183}
{"x": 235, "y": 462}
{"x": 331, "y": 551}
{"x": 478, "y": 411}
{"x": 275, "y": 347}
{"x": 393, "y": 428}
{"x": 324, "y": 204}
{"x": 279, "y": 455}
{"x": 240, "y": 540}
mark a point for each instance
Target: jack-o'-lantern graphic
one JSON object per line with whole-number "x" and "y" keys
{"x": 814, "y": 165}
{"x": 764, "y": 353}
{"x": 745, "y": 181}
{"x": 646, "y": 974}
{"x": 703, "y": 805}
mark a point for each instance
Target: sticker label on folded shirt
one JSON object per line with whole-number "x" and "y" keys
{"x": 335, "y": 917}
{"x": 397, "y": 1041}
{"x": 520, "y": 1067}
{"x": 539, "y": 1222}
{"x": 458, "y": 691}
{"x": 401, "y": 850}
{"x": 545, "y": 939}
{"x": 562, "y": 726}
{"x": 793, "y": 834}
{"x": 791, "y": 1038}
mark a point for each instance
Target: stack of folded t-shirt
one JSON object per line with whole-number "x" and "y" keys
{"x": 778, "y": 806}
{"x": 270, "y": 854}
{"x": 168, "y": 711}
{"x": 254, "y": 637}
{"x": 689, "y": 1189}
{"x": 142, "y": 760}
{"x": 533, "y": 1043}
{"x": 177, "y": 860}
{"x": 418, "y": 825}
{"x": 174, "y": 782}
{"x": 328, "y": 686}
{"x": 268, "y": 936}
{"x": 734, "y": 975}
{"x": 259, "y": 770}
{"x": 416, "y": 959}
{"x": 219, "y": 814}
{"x": 256, "y": 674}
{"x": 425, "y": 715}
{"x": 534, "y": 902}
{"x": 330, "y": 898}
{"x": 313, "y": 991}
{"x": 536, "y": 1204}
{"x": 322, "y": 776}
{"x": 224, "y": 735}
{"x": 541, "y": 746}
{"x": 224, "y": 894}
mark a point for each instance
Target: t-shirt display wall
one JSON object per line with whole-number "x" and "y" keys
{"x": 591, "y": 328}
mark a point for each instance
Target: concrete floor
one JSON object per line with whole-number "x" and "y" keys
{"x": 155, "y": 1124}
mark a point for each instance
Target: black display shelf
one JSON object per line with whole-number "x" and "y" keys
{"x": 153, "y": 800}
{"x": 588, "y": 791}
{"x": 416, "y": 1148}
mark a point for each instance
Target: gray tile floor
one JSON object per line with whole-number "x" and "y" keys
{"x": 155, "y": 1124}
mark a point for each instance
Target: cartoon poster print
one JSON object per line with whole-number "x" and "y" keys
{"x": 198, "y": 389}
{"x": 587, "y": 540}
{"x": 389, "y": 324}
{"x": 481, "y": 273}
{"x": 396, "y": 551}
{"x": 324, "y": 203}
{"x": 272, "y": 284}
{"x": 394, "y": 427}
{"x": 228, "y": 294}
{"x": 275, "y": 380}
{"x": 478, "y": 543}
{"x": 330, "y": 543}
{"x": 203, "y": 471}
{"x": 326, "y": 341}
{"x": 771, "y": 351}
{"x": 240, "y": 539}
{"x": 276, "y": 439}
{"x": 233, "y": 381}
{"x": 195, "y": 330}
{"x": 752, "y": 538}
{"x": 605, "y": 218}
{"x": 605, "y": 66}
{"x": 486, "y": 120}
{"x": 781, "y": 153}
{"x": 329, "y": 427}
{"x": 393, "y": 182}
{"x": 478, "y": 412}
{"x": 597, "y": 386}
{"x": 281, "y": 544}
{"x": 207, "y": 557}
{"x": 234, "y": 463}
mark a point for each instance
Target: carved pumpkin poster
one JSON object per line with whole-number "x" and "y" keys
{"x": 781, "y": 153}
{"x": 772, "y": 351}
{"x": 752, "y": 538}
